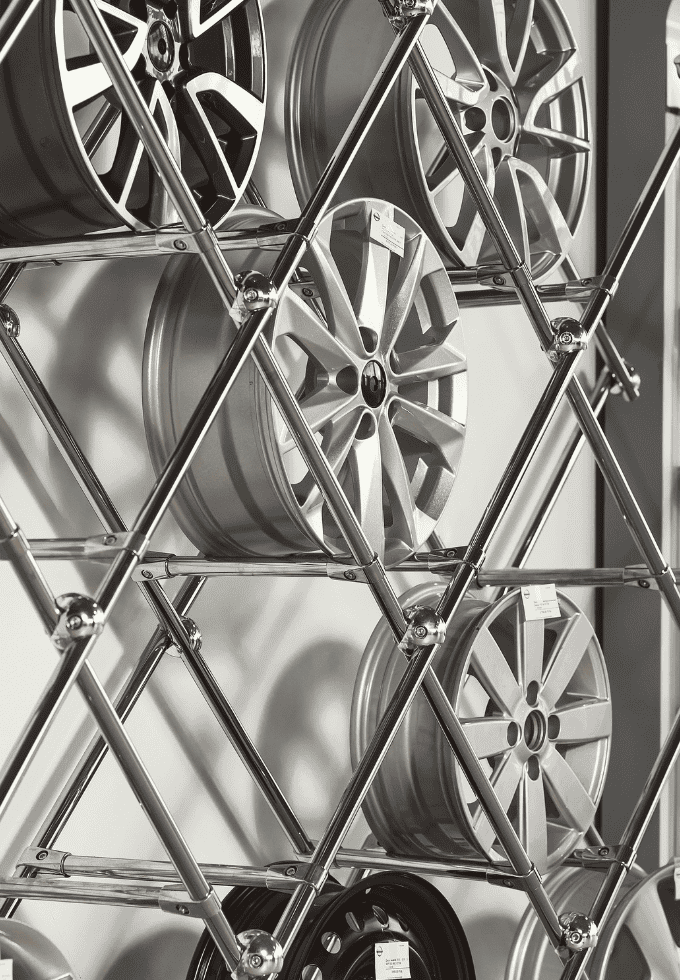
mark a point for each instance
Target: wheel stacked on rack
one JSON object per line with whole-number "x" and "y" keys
{"x": 32, "y": 955}
{"x": 533, "y": 698}
{"x": 70, "y": 159}
{"x": 339, "y": 939}
{"x": 512, "y": 75}
{"x": 370, "y": 342}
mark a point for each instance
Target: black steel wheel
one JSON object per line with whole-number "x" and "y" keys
{"x": 339, "y": 940}
{"x": 70, "y": 159}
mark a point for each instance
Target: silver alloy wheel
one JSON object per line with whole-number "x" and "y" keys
{"x": 532, "y": 956}
{"x": 513, "y": 77}
{"x": 71, "y": 161}
{"x": 34, "y": 956}
{"x": 370, "y": 342}
{"x": 533, "y": 698}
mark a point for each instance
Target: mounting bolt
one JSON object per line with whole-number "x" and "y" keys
{"x": 498, "y": 281}
{"x": 262, "y": 955}
{"x": 110, "y": 539}
{"x": 255, "y": 960}
{"x": 350, "y": 576}
{"x": 250, "y": 295}
{"x": 643, "y": 583}
{"x": 256, "y": 291}
{"x": 603, "y": 852}
{"x": 291, "y": 871}
{"x": 182, "y": 909}
{"x": 194, "y": 634}
{"x": 579, "y": 931}
{"x": 10, "y": 321}
{"x": 146, "y": 573}
{"x": 180, "y": 245}
{"x": 80, "y": 618}
{"x": 41, "y": 855}
{"x": 307, "y": 292}
{"x": 425, "y": 627}
{"x": 569, "y": 336}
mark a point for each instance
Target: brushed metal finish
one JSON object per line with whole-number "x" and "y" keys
{"x": 570, "y": 890}
{"x": 534, "y": 701}
{"x": 206, "y": 89}
{"x": 372, "y": 347}
{"x": 516, "y": 86}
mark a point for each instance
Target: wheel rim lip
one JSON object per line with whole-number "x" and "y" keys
{"x": 96, "y": 185}
{"x": 166, "y": 332}
{"x": 376, "y": 678}
{"x": 302, "y": 90}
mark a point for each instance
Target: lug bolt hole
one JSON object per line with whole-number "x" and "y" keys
{"x": 533, "y": 767}
{"x": 553, "y": 727}
{"x": 475, "y": 119}
{"x": 513, "y": 733}
{"x": 532, "y": 693}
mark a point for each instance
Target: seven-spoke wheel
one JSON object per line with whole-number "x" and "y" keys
{"x": 70, "y": 159}
{"x": 533, "y": 698}
{"x": 371, "y": 345}
{"x": 512, "y": 75}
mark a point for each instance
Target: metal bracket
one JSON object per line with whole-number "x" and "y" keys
{"x": 178, "y": 240}
{"x": 9, "y": 321}
{"x": 255, "y": 291}
{"x": 569, "y": 336}
{"x": 617, "y": 388}
{"x": 178, "y": 903}
{"x": 579, "y": 932}
{"x": 103, "y": 547}
{"x": 44, "y": 860}
{"x": 81, "y": 617}
{"x": 193, "y": 635}
{"x": 601, "y": 858}
{"x": 348, "y": 573}
{"x": 406, "y": 9}
{"x": 574, "y": 290}
{"x": 153, "y": 570}
{"x": 425, "y": 628}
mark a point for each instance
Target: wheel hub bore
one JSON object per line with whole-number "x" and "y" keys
{"x": 535, "y": 730}
{"x": 160, "y": 46}
{"x": 373, "y": 384}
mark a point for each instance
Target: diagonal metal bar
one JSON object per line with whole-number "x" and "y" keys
{"x": 12, "y": 21}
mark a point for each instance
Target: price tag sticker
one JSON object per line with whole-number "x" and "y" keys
{"x": 387, "y": 232}
{"x": 392, "y": 961}
{"x": 676, "y": 880}
{"x": 540, "y": 602}
{"x": 6, "y": 968}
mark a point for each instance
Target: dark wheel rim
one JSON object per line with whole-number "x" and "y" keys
{"x": 71, "y": 161}
{"x": 338, "y": 940}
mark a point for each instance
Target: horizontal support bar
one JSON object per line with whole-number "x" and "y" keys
{"x": 66, "y": 865}
{"x": 379, "y": 860}
{"x": 165, "y": 241}
{"x": 50, "y": 890}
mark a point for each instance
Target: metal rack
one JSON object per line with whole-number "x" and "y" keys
{"x": 74, "y": 621}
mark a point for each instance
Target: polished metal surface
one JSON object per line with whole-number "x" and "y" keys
{"x": 533, "y": 699}
{"x": 205, "y": 86}
{"x": 34, "y": 956}
{"x": 373, "y": 348}
{"x": 518, "y": 94}
{"x": 571, "y": 890}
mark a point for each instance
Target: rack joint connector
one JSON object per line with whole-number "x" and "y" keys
{"x": 568, "y": 337}
{"x": 425, "y": 629}
{"x": 579, "y": 932}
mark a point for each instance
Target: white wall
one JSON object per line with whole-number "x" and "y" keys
{"x": 285, "y": 651}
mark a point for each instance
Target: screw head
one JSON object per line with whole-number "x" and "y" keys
{"x": 74, "y": 622}
{"x": 110, "y": 539}
{"x": 350, "y": 576}
{"x": 307, "y": 291}
{"x": 498, "y": 281}
{"x": 586, "y": 282}
{"x": 250, "y": 295}
{"x": 643, "y": 583}
{"x": 41, "y": 855}
{"x": 146, "y": 573}
{"x": 603, "y": 852}
{"x": 255, "y": 960}
{"x": 180, "y": 245}
{"x": 182, "y": 909}
{"x": 576, "y": 937}
{"x": 566, "y": 337}
{"x": 291, "y": 871}
{"x": 420, "y": 631}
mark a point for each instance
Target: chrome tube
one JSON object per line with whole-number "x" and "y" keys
{"x": 64, "y": 864}
{"x": 8, "y": 276}
{"x": 11, "y": 22}
{"x": 74, "y": 891}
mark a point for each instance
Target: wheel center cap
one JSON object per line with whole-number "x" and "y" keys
{"x": 160, "y": 45}
{"x": 373, "y": 384}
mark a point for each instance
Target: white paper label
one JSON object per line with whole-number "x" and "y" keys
{"x": 676, "y": 879}
{"x": 540, "y": 602}
{"x": 391, "y": 961}
{"x": 387, "y": 232}
{"x": 6, "y": 969}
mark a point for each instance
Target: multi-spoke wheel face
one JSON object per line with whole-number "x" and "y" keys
{"x": 533, "y": 698}
{"x": 71, "y": 161}
{"x": 371, "y": 345}
{"x": 513, "y": 78}
{"x": 532, "y": 956}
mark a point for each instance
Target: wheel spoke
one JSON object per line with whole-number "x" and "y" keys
{"x": 338, "y": 308}
{"x": 403, "y": 292}
{"x": 162, "y": 211}
{"x": 511, "y": 205}
{"x": 648, "y": 923}
{"x": 319, "y": 409}
{"x": 469, "y": 230}
{"x": 505, "y": 781}
{"x": 336, "y": 450}
{"x": 493, "y": 672}
{"x": 373, "y": 279}
{"x": 567, "y": 654}
{"x": 540, "y": 204}
{"x": 487, "y": 736}
{"x": 398, "y": 487}
{"x": 533, "y": 823}
{"x": 529, "y": 643}
{"x": 86, "y": 77}
{"x": 504, "y": 43}
{"x": 302, "y": 324}
{"x": 427, "y": 364}
{"x": 431, "y": 427}
{"x": 464, "y": 82}
{"x": 366, "y": 468}
{"x": 585, "y": 721}
{"x": 195, "y": 24}
{"x": 546, "y": 87}
{"x": 566, "y": 789}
